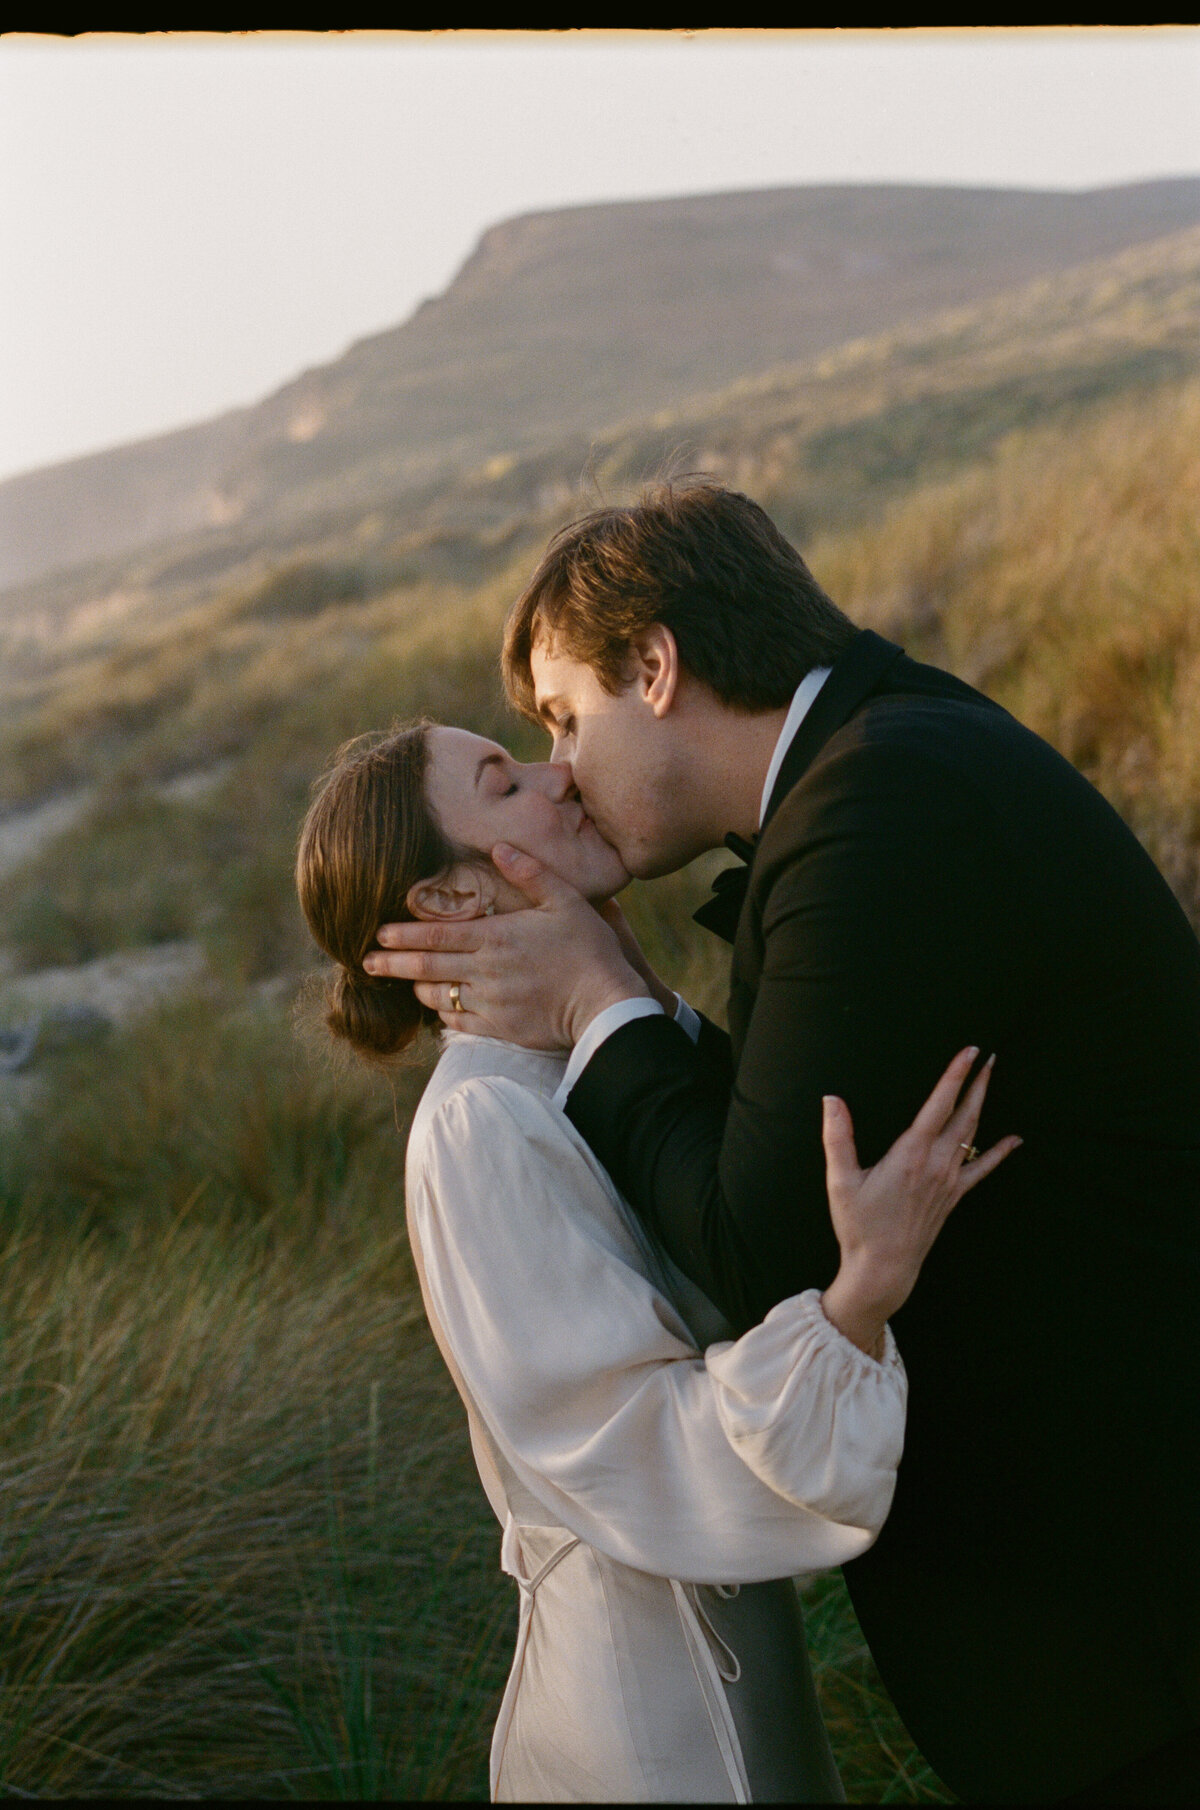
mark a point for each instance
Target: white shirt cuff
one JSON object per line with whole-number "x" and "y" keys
{"x": 611, "y": 1019}
{"x": 687, "y": 1019}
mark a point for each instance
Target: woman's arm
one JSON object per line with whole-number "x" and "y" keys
{"x": 772, "y": 1455}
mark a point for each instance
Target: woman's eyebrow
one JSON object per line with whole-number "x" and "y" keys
{"x": 489, "y": 760}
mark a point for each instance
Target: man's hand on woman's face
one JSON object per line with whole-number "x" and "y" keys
{"x": 535, "y": 977}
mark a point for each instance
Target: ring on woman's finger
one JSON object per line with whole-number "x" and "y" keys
{"x": 455, "y": 1001}
{"x": 969, "y": 1150}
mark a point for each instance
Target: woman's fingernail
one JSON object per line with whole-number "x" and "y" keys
{"x": 990, "y": 1060}
{"x": 973, "y": 1052}
{"x": 504, "y": 853}
{"x": 371, "y": 965}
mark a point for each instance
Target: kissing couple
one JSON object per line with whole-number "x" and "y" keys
{"x": 674, "y": 1271}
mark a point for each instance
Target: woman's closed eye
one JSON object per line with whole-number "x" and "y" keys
{"x": 503, "y": 781}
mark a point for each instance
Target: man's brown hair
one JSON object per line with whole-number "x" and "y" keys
{"x": 747, "y": 615}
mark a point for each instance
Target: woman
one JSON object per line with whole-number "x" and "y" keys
{"x": 658, "y": 1484}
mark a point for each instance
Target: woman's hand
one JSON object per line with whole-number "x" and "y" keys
{"x": 887, "y": 1217}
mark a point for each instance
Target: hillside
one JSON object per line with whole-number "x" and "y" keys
{"x": 567, "y": 322}
{"x": 219, "y": 670}
{"x": 154, "y": 637}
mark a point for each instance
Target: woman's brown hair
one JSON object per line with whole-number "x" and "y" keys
{"x": 368, "y": 837}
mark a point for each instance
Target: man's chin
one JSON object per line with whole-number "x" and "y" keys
{"x": 653, "y": 864}
{"x": 641, "y": 863}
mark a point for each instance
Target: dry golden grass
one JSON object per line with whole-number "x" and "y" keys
{"x": 1063, "y": 578}
{"x": 244, "y": 1551}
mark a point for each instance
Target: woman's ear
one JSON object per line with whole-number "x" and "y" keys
{"x": 458, "y": 893}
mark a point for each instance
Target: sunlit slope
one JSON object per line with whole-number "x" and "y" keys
{"x": 832, "y": 440}
{"x": 1058, "y": 571}
{"x": 1062, "y": 577}
{"x": 566, "y": 322}
{"x": 825, "y": 444}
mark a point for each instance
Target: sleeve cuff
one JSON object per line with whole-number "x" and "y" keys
{"x": 598, "y": 1032}
{"x": 814, "y": 1417}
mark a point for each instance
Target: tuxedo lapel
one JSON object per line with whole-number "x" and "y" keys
{"x": 853, "y": 678}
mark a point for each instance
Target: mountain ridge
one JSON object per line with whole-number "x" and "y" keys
{"x": 573, "y": 319}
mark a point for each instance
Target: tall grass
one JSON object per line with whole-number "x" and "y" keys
{"x": 242, "y": 1547}
{"x": 1063, "y": 577}
{"x": 877, "y": 1760}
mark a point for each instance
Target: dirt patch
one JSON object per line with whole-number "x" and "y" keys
{"x": 25, "y": 834}
{"x": 120, "y": 986}
{"x": 53, "y": 1007}
{"x": 198, "y": 782}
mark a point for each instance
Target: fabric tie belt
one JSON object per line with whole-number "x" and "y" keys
{"x": 512, "y": 1561}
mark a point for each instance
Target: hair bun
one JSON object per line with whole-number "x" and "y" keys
{"x": 376, "y": 1015}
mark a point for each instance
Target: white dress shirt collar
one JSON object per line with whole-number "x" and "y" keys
{"x": 801, "y": 704}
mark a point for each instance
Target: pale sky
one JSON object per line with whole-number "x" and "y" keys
{"x": 188, "y": 220}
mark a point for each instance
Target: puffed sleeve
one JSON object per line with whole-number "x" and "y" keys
{"x": 765, "y": 1457}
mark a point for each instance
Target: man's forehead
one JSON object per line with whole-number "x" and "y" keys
{"x": 555, "y": 674}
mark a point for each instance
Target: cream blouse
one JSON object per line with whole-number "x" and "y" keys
{"x": 604, "y": 1395}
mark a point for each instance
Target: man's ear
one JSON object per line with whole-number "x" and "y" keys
{"x": 657, "y": 668}
{"x": 458, "y": 893}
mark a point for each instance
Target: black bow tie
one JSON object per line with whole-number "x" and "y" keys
{"x": 720, "y": 914}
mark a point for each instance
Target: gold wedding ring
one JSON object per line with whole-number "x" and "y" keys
{"x": 455, "y": 1001}
{"x": 969, "y": 1152}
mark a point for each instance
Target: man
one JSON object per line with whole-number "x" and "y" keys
{"x": 923, "y": 874}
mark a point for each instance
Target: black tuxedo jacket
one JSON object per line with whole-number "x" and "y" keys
{"x": 932, "y": 875}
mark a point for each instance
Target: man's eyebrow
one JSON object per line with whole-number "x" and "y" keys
{"x": 489, "y": 760}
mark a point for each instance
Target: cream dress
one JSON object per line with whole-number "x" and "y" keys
{"x": 652, "y": 1477}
